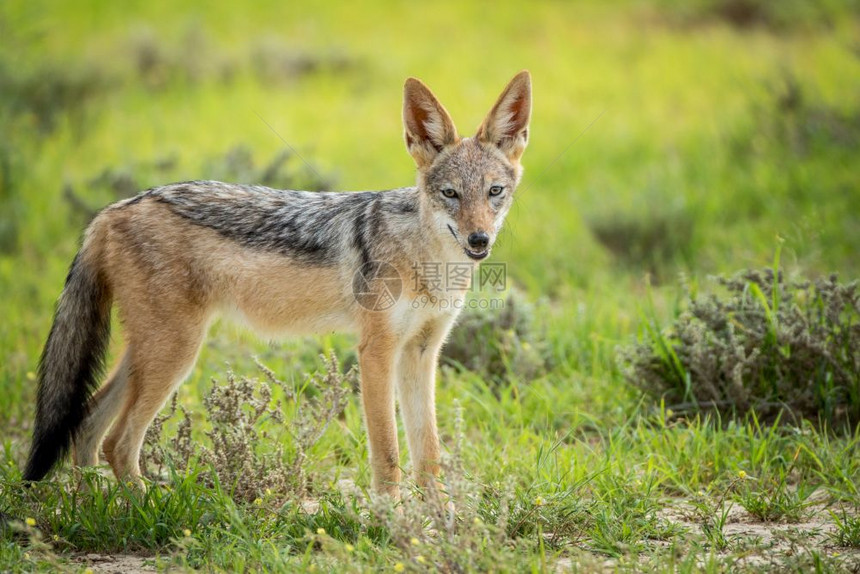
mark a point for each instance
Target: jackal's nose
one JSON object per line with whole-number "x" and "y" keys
{"x": 479, "y": 240}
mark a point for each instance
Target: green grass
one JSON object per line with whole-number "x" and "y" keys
{"x": 712, "y": 145}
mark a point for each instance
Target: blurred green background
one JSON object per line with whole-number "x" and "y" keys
{"x": 666, "y": 139}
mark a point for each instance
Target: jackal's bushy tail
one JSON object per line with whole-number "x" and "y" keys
{"x": 70, "y": 366}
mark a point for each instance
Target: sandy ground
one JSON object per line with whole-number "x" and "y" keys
{"x": 117, "y": 563}
{"x": 769, "y": 545}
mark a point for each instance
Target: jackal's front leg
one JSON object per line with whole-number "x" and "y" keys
{"x": 377, "y": 355}
{"x": 416, "y": 379}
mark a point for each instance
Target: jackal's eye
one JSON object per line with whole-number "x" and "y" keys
{"x": 497, "y": 189}
{"x": 449, "y": 193}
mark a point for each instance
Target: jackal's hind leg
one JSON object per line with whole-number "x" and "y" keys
{"x": 157, "y": 367}
{"x": 104, "y": 407}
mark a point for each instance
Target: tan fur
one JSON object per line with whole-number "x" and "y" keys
{"x": 170, "y": 278}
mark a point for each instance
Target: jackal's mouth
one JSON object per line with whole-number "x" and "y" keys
{"x": 478, "y": 255}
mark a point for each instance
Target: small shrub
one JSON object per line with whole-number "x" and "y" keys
{"x": 782, "y": 16}
{"x": 236, "y": 450}
{"x": 236, "y": 165}
{"x": 797, "y": 123}
{"x": 768, "y": 346}
{"x": 499, "y": 343}
{"x": 159, "y": 60}
{"x": 274, "y": 62}
{"x": 284, "y": 171}
{"x": 649, "y": 239}
{"x": 11, "y": 202}
{"x": 47, "y": 92}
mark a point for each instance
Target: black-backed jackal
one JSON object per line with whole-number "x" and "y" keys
{"x": 174, "y": 257}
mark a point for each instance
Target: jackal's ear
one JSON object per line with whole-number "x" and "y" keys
{"x": 428, "y": 127}
{"x": 507, "y": 124}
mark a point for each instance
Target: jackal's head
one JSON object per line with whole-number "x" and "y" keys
{"x": 467, "y": 185}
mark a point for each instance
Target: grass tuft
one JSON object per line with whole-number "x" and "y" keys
{"x": 847, "y": 529}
